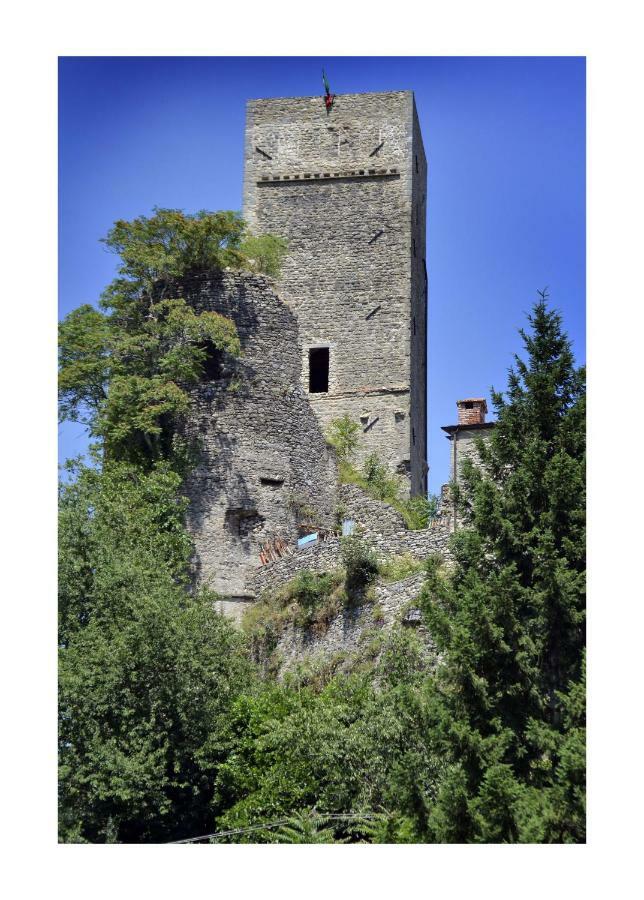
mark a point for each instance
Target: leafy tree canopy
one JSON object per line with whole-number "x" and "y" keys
{"x": 167, "y": 730}
{"x": 125, "y": 369}
{"x": 171, "y": 245}
{"x": 354, "y": 745}
{"x": 148, "y": 671}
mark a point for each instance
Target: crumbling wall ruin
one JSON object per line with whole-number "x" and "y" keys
{"x": 263, "y": 462}
{"x": 382, "y": 529}
{"x": 353, "y": 628}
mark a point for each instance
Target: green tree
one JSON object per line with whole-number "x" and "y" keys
{"x": 126, "y": 368}
{"x": 264, "y": 253}
{"x": 509, "y": 619}
{"x": 148, "y": 672}
{"x": 157, "y": 250}
{"x": 343, "y": 437}
{"x": 306, "y": 827}
{"x": 358, "y": 744}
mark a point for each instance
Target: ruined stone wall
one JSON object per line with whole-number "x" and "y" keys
{"x": 344, "y": 189}
{"x": 263, "y": 458}
{"x": 352, "y": 627}
{"x": 382, "y": 528}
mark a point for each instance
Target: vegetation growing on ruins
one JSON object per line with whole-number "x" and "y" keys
{"x": 376, "y": 479}
{"x": 169, "y": 729}
{"x": 125, "y": 368}
{"x": 395, "y": 568}
{"x": 343, "y": 437}
{"x": 309, "y": 600}
{"x": 360, "y": 564}
{"x": 169, "y": 245}
{"x": 312, "y": 600}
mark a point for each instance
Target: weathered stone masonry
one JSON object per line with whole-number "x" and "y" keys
{"x": 349, "y": 629}
{"x": 263, "y": 456}
{"x": 382, "y": 529}
{"x": 264, "y": 465}
{"x": 464, "y": 436}
{"x": 347, "y": 189}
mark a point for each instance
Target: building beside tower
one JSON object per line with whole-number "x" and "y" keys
{"x": 470, "y": 427}
{"x": 347, "y": 189}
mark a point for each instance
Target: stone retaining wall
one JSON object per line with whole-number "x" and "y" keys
{"x": 347, "y": 631}
{"x": 382, "y": 528}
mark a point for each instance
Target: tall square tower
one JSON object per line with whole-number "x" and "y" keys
{"x": 347, "y": 189}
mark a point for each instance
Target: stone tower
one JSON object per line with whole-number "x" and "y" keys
{"x": 347, "y": 190}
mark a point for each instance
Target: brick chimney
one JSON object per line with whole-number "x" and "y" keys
{"x": 471, "y": 412}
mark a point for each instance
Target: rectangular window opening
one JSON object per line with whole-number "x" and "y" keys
{"x": 318, "y": 370}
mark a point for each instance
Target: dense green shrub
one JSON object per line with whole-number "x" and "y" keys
{"x": 311, "y": 588}
{"x": 360, "y": 563}
{"x": 306, "y": 826}
{"x": 346, "y": 747}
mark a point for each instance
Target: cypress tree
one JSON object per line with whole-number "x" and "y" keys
{"x": 509, "y": 618}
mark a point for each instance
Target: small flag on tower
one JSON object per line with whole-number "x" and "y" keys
{"x": 328, "y": 96}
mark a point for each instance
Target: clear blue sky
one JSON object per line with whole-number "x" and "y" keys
{"x": 505, "y": 142}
